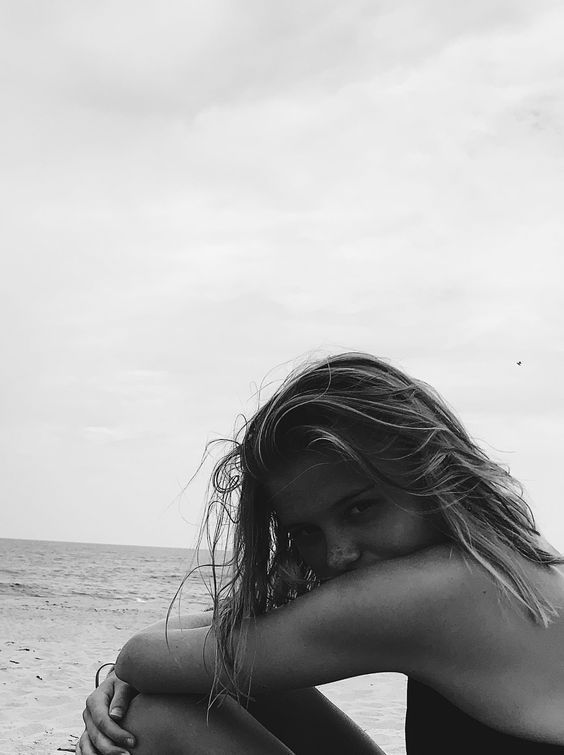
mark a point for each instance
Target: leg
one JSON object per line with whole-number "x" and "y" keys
{"x": 307, "y": 722}
{"x": 178, "y": 725}
{"x": 303, "y": 720}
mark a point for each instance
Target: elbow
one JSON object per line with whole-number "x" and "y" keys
{"x": 141, "y": 664}
{"x": 128, "y": 666}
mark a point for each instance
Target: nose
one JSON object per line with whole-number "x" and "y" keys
{"x": 341, "y": 554}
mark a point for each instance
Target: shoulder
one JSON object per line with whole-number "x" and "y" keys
{"x": 449, "y": 612}
{"x": 396, "y": 611}
{"x": 444, "y": 590}
{"x": 434, "y": 607}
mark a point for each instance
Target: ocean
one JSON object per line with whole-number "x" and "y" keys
{"x": 72, "y": 574}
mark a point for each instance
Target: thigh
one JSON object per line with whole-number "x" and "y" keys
{"x": 307, "y": 722}
{"x": 182, "y": 725}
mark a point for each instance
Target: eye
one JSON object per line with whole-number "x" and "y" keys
{"x": 303, "y": 532}
{"x": 360, "y": 507}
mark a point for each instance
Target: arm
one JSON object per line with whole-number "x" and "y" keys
{"x": 109, "y": 703}
{"x": 374, "y": 619}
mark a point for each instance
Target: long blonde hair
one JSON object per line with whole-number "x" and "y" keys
{"x": 330, "y": 404}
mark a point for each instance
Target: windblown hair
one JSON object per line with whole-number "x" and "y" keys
{"x": 362, "y": 409}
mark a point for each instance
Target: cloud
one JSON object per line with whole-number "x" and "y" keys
{"x": 198, "y": 195}
{"x": 135, "y": 59}
{"x": 107, "y": 434}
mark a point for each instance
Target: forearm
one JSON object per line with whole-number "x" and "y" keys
{"x": 355, "y": 624}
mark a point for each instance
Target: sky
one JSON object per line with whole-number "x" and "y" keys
{"x": 197, "y": 196}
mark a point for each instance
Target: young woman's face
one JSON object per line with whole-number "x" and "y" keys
{"x": 340, "y": 520}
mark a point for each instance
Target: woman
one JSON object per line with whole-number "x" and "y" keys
{"x": 370, "y": 534}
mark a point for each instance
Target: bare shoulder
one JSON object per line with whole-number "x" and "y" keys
{"x": 444, "y": 589}
{"x": 396, "y": 611}
{"x": 442, "y": 573}
{"x": 455, "y": 613}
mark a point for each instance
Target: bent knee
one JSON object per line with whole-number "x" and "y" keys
{"x": 154, "y": 721}
{"x": 184, "y": 725}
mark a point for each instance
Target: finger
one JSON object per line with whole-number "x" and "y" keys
{"x": 123, "y": 695}
{"x": 87, "y": 748}
{"x": 84, "y": 746}
{"x": 97, "y": 718}
{"x": 99, "y": 742}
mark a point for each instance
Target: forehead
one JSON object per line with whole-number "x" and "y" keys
{"x": 312, "y": 483}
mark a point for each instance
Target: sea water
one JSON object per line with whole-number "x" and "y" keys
{"x": 67, "y": 574}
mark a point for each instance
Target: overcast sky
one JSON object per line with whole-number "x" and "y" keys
{"x": 196, "y": 193}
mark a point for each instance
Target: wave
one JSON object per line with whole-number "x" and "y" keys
{"x": 34, "y": 590}
{"x": 19, "y": 588}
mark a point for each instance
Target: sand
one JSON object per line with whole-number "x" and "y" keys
{"x": 49, "y": 654}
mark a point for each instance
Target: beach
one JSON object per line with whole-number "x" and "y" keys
{"x": 67, "y": 608}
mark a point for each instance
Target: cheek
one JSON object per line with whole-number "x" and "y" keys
{"x": 414, "y": 531}
{"x": 398, "y": 532}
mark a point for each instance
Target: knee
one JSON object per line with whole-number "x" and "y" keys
{"x": 153, "y": 721}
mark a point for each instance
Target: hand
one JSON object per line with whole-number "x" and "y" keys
{"x": 104, "y": 706}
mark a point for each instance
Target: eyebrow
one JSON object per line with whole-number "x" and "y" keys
{"x": 350, "y": 496}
